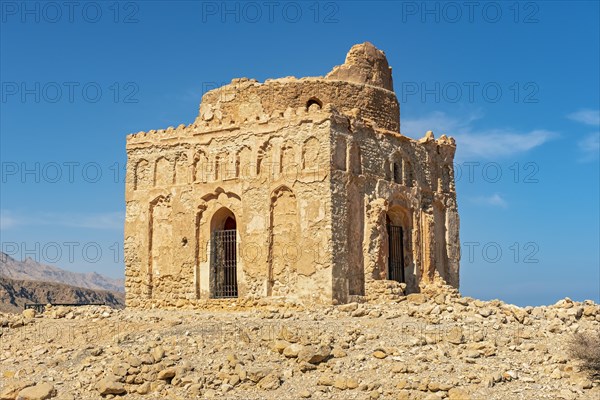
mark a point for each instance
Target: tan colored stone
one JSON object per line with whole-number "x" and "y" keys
{"x": 144, "y": 388}
{"x": 269, "y": 162}
{"x": 352, "y": 383}
{"x": 270, "y": 382}
{"x": 313, "y": 354}
{"x": 340, "y": 383}
{"x": 458, "y": 394}
{"x": 325, "y": 380}
{"x": 255, "y": 374}
{"x": 11, "y": 389}
{"x": 403, "y": 395}
{"x": 167, "y": 374}
{"x": 292, "y": 350}
{"x": 379, "y": 354}
{"x": 41, "y": 391}
{"x": 107, "y": 386}
{"x": 158, "y": 353}
{"x": 417, "y": 298}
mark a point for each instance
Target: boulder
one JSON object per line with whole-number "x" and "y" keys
{"x": 166, "y": 374}
{"x": 10, "y": 390}
{"x": 107, "y": 386}
{"x": 255, "y": 374}
{"x": 41, "y": 391}
{"x": 292, "y": 350}
{"x": 314, "y": 354}
{"x": 270, "y": 382}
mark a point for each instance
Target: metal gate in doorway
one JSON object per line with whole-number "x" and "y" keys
{"x": 224, "y": 263}
{"x": 396, "y": 253}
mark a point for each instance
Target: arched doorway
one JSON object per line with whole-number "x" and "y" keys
{"x": 395, "y": 251}
{"x": 224, "y": 255}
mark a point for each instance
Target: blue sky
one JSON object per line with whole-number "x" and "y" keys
{"x": 516, "y": 84}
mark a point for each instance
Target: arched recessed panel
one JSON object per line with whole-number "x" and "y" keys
{"x": 181, "y": 169}
{"x": 160, "y": 240}
{"x": 245, "y": 167}
{"x": 288, "y": 159}
{"x": 200, "y": 167}
{"x": 264, "y": 162}
{"x": 143, "y": 175}
{"x": 283, "y": 249}
{"x": 163, "y": 172}
{"x": 310, "y": 154}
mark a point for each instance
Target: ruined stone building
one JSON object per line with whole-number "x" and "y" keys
{"x": 303, "y": 188}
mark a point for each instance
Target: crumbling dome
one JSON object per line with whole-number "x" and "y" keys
{"x": 363, "y": 82}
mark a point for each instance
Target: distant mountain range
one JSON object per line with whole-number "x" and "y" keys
{"x": 31, "y": 270}
{"x": 31, "y": 282}
{"x": 14, "y": 294}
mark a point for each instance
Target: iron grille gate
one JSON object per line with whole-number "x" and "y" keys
{"x": 396, "y": 253}
{"x": 224, "y": 263}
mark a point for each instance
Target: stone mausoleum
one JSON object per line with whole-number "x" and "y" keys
{"x": 298, "y": 188}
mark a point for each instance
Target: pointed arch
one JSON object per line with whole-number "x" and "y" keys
{"x": 244, "y": 164}
{"x": 400, "y": 258}
{"x": 264, "y": 160}
{"x": 223, "y": 228}
{"x": 163, "y": 172}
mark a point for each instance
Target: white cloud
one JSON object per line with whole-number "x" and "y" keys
{"x": 437, "y": 122}
{"x": 7, "y": 220}
{"x": 590, "y": 147}
{"x": 107, "y": 220}
{"x": 494, "y": 200}
{"x": 472, "y": 142}
{"x": 500, "y": 143}
{"x": 586, "y": 116}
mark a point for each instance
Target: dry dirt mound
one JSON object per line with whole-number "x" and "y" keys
{"x": 423, "y": 347}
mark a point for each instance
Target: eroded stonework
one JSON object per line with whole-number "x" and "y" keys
{"x": 301, "y": 188}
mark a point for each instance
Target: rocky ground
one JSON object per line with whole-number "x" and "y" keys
{"x": 441, "y": 346}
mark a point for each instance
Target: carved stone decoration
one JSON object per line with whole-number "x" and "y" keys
{"x": 283, "y": 249}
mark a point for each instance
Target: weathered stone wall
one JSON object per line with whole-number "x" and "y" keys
{"x": 245, "y": 99}
{"x": 273, "y": 178}
{"x": 411, "y": 183}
